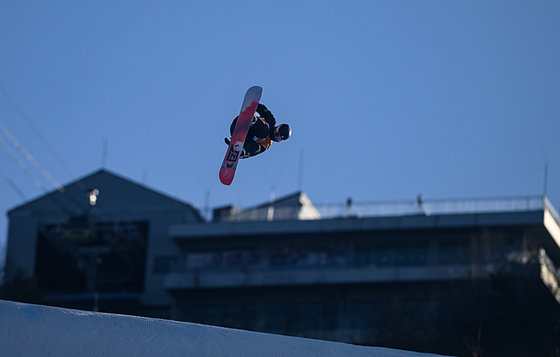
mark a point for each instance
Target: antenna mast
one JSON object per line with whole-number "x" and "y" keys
{"x": 104, "y": 154}
{"x": 545, "y": 183}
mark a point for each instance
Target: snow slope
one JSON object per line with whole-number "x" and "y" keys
{"x": 34, "y": 330}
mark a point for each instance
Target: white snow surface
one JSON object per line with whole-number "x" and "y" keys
{"x": 35, "y": 330}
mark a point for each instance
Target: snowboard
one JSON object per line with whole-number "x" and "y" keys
{"x": 250, "y": 103}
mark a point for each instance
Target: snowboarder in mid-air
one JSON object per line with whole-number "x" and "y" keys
{"x": 252, "y": 132}
{"x": 262, "y": 132}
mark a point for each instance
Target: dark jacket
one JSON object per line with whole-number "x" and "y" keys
{"x": 260, "y": 134}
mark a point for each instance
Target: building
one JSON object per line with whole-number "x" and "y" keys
{"x": 99, "y": 243}
{"x": 452, "y": 277}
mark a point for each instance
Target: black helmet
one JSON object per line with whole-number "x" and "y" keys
{"x": 282, "y": 132}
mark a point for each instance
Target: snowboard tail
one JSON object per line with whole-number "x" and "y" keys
{"x": 233, "y": 154}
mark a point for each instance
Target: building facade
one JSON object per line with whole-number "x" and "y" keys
{"x": 100, "y": 243}
{"x": 446, "y": 282}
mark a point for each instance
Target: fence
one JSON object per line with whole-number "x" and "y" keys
{"x": 397, "y": 208}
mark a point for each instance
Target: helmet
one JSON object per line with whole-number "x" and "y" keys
{"x": 282, "y": 132}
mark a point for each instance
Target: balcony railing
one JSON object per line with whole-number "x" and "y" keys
{"x": 399, "y": 208}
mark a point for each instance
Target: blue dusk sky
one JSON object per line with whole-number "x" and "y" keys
{"x": 387, "y": 99}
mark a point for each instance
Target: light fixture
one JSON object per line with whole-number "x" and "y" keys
{"x": 93, "y": 196}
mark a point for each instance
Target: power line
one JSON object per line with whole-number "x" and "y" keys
{"x": 22, "y": 165}
{"x": 30, "y": 158}
{"x": 37, "y": 132}
{"x": 29, "y": 173}
{"x": 13, "y": 185}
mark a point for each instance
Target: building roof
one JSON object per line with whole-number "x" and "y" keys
{"x": 113, "y": 192}
{"x": 293, "y": 206}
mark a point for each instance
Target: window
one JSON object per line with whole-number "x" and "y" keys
{"x": 234, "y": 258}
{"x": 392, "y": 253}
{"x": 307, "y": 255}
{"x": 86, "y": 255}
{"x": 165, "y": 264}
{"x": 453, "y": 252}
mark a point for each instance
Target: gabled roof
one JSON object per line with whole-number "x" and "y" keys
{"x": 115, "y": 191}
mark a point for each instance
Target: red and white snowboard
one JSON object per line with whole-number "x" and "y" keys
{"x": 250, "y": 103}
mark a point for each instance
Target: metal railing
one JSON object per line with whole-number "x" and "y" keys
{"x": 398, "y": 208}
{"x": 486, "y": 205}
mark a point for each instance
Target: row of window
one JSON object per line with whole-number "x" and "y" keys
{"x": 417, "y": 254}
